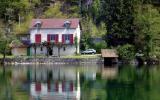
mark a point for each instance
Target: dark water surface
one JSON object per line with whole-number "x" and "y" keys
{"x": 72, "y": 82}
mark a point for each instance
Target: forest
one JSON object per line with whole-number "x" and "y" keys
{"x": 130, "y": 26}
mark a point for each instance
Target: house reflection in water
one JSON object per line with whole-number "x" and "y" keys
{"x": 53, "y": 84}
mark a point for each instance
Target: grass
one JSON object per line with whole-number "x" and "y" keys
{"x": 7, "y": 56}
{"x": 83, "y": 56}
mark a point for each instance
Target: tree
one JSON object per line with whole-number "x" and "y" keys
{"x": 147, "y": 21}
{"x": 3, "y": 49}
{"x": 126, "y": 52}
{"x": 76, "y": 43}
{"x": 119, "y": 18}
{"x": 100, "y": 45}
{"x": 54, "y": 11}
{"x": 5, "y": 39}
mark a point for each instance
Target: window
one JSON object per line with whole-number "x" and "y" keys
{"x": 38, "y": 24}
{"x": 67, "y": 24}
{"x": 67, "y": 38}
{"x": 52, "y": 37}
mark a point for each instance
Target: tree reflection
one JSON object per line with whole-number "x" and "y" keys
{"x": 130, "y": 83}
{"x": 5, "y": 85}
{"x": 116, "y": 83}
{"x": 9, "y": 90}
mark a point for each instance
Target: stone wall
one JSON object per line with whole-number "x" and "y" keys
{"x": 54, "y": 60}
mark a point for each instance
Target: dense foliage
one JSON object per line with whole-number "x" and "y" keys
{"x": 126, "y": 52}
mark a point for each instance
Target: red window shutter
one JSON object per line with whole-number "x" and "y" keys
{"x": 56, "y": 86}
{"x": 48, "y": 85}
{"x": 63, "y": 86}
{"x": 38, "y": 87}
{"x": 71, "y": 86}
{"x": 38, "y": 38}
{"x": 48, "y": 38}
{"x": 71, "y": 38}
{"x": 63, "y": 39}
{"x": 56, "y": 38}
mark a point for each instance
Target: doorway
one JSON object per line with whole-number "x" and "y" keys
{"x": 50, "y": 51}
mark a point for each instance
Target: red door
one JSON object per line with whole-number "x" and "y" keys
{"x": 38, "y": 38}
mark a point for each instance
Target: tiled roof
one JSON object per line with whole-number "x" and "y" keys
{"x": 55, "y": 23}
{"x": 109, "y": 53}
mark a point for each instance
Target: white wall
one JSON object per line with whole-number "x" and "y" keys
{"x": 44, "y": 33}
{"x": 19, "y": 51}
{"x": 70, "y": 50}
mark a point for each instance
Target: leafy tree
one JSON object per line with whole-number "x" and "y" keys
{"x": 5, "y": 41}
{"x": 119, "y": 18}
{"x": 126, "y": 51}
{"x": 76, "y": 43}
{"x": 54, "y": 11}
{"x": 100, "y": 45}
{"x": 147, "y": 22}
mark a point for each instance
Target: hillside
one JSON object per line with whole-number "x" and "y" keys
{"x": 117, "y": 22}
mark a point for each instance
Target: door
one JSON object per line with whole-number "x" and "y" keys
{"x": 28, "y": 51}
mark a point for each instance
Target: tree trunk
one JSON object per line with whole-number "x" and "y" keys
{"x": 76, "y": 50}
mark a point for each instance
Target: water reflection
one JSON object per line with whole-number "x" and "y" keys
{"x": 89, "y": 82}
{"x": 53, "y": 82}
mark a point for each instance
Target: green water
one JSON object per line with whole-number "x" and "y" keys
{"x": 72, "y": 82}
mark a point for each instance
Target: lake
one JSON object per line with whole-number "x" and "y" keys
{"x": 75, "y": 82}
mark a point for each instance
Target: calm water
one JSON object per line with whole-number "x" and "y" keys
{"x": 88, "y": 82}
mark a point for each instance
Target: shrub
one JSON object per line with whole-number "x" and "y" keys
{"x": 126, "y": 52}
{"x": 100, "y": 45}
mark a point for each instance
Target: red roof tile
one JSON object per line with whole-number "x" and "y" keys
{"x": 55, "y": 23}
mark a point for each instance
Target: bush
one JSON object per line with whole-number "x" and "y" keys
{"x": 126, "y": 52}
{"x": 100, "y": 45}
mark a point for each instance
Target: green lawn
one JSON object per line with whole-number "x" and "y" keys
{"x": 10, "y": 56}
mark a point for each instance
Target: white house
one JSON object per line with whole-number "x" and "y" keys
{"x": 62, "y": 33}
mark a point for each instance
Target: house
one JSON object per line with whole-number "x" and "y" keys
{"x": 110, "y": 56}
{"x": 21, "y": 47}
{"x": 62, "y": 36}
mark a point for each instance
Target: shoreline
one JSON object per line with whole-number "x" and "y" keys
{"x": 67, "y": 61}
{"x": 54, "y": 60}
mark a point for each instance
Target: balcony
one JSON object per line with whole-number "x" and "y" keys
{"x": 26, "y": 42}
